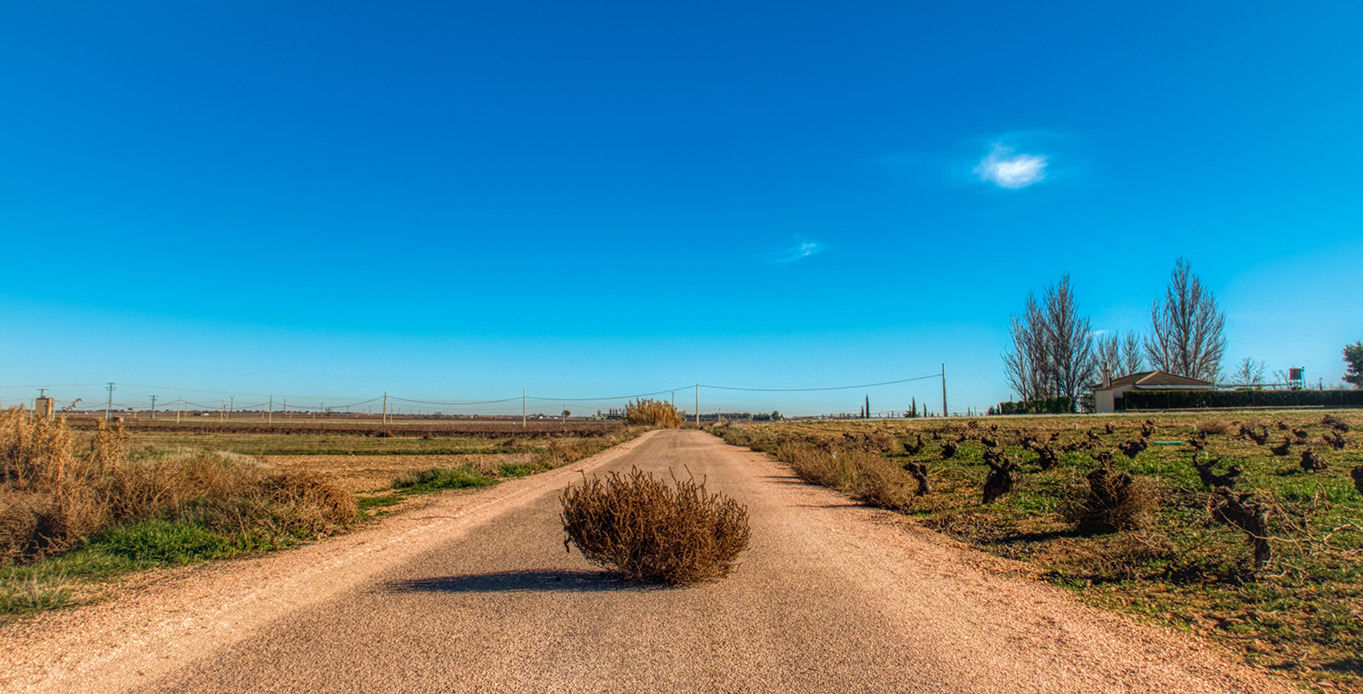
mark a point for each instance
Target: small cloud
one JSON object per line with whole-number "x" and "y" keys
{"x": 801, "y": 250}
{"x": 1006, "y": 169}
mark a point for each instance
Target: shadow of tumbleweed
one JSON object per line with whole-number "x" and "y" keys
{"x": 529, "y": 581}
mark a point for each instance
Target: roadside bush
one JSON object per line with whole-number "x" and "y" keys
{"x": 879, "y": 483}
{"x": 654, "y": 413}
{"x": 647, "y": 530}
{"x": 52, "y": 498}
{"x": 811, "y": 463}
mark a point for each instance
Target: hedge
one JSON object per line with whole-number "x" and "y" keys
{"x": 1061, "y": 405}
{"x": 1194, "y": 399}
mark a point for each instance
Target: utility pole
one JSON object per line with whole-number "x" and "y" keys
{"x": 179, "y": 409}
{"x": 523, "y": 407}
{"x": 153, "y": 408}
{"x": 269, "y": 418}
{"x": 944, "y": 390}
{"x": 231, "y": 405}
{"x": 109, "y": 404}
{"x": 697, "y": 404}
{"x": 385, "y": 407}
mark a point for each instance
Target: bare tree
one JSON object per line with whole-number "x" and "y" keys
{"x": 1187, "y": 337}
{"x": 1133, "y": 357}
{"x": 1118, "y": 355}
{"x": 1053, "y": 347}
{"x": 1109, "y": 357}
{"x": 1027, "y": 367}
{"x": 1070, "y": 338}
{"x": 1249, "y": 373}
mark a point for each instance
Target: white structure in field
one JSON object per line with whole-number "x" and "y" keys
{"x": 1105, "y": 397}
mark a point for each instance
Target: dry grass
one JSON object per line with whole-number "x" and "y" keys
{"x": 653, "y": 413}
{"x": 1212, "y": 427}
{"x": 648, "y": 530}
{"x": 863, "y": 474}
{"x": 52, "y": 497}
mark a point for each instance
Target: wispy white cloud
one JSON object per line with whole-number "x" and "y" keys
{"x": 799, "y": 251}
{"x": 1009, "y": 169}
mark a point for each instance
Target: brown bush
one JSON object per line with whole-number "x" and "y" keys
{"x": 812, "y": 464}
{"x": 51, "y": 498}
{"x": 653, "y": 413}
{"x": 878, "y": 483}
{"x": 647, "y": 530}
{"x": 1116, "y": 501}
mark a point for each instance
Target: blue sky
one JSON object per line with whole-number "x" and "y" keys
{"x": 454, "y": 201}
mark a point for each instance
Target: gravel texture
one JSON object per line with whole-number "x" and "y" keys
{"x": 476, "y": 593}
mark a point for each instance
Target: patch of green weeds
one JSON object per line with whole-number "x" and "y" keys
{"x": 162, "y": 542}
{"x": 381, "y": 501}
{"x": 440, "y": 478}
{"x": 517, "y": 470}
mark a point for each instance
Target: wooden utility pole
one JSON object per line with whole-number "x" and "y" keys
{"x": 944, "y": 390}
{"x": 269, "y": 418}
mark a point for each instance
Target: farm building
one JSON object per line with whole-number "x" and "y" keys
{"x": 1105, "y": 397}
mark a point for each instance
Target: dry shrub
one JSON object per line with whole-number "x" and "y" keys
{"x": 648, "y": 530}
{"x": 811, "y": 463}
{"x": 52, "y": 498}
{"x": 1116, "y": 501}
{"x": 866, "y": 476}
{"x": 1212, "y": 427}
{"x": 564, "y": 451}
{"x": 653, "y": 413}
{"x": 876, "y": 441}
{"x": 878, "y": 483}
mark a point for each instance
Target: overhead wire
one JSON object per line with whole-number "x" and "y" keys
{"x": 812, "y": 390}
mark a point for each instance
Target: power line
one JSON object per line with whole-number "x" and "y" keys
{"x": 812, "y": 390}
{"x": 451, "y": 403}
{"x": 617, "y": 397}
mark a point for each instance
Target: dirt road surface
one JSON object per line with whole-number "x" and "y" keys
{"x": 475, "y": 593}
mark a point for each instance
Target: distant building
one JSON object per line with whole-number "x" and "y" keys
{"x": 1105, "y": 397}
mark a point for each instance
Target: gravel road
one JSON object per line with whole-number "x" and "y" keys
{"x": 475, "y": 593}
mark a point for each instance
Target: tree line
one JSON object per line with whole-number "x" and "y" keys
{"x": 1055, "y": 353}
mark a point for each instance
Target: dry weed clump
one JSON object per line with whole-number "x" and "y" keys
{"x": 653, "y": 413}
{"x": 879, "y": 483}
{"x": 52, "y": 498}
{"x": 1116, "y": 501}
{"x": 648, "y": 530}
{"x": 812, "y": 464}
